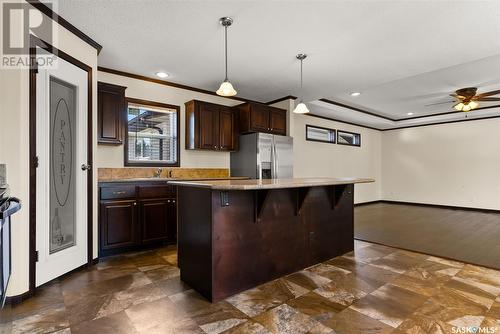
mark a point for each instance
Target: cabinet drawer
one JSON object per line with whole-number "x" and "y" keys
{"x": 118, "y": 192}
{"x": 156, "y": 191}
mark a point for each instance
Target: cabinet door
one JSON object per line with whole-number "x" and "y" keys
{"x": 209, "y": 127}
{"x": 227, "y": 135}
{"x": 154, "y": 220}
{"x": 111, "y": 109}
{"x": 259, "y": 118}
{"x": 118, "y": 224}
{"x": 277, "y": 122}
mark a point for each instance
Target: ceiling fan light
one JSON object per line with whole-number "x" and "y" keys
{"x": 301, "y": 108}
{"x": 459, "y": 106}
{"x": 473, "y": 104}
{"x": 226, "y": 89}
{"x": 466, "y": 107}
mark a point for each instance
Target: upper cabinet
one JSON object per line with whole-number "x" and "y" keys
{"x": 111, "y": 111}
{"x": 256, "y": 117}
{"x": 210, "y": 126}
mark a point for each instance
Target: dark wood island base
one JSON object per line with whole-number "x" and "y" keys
{"x": 233, "y": 240}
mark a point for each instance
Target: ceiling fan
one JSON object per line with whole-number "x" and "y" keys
{"x": 467, "y": 99}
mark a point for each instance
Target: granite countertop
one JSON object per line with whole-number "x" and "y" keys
{"x": 253, "y": 184}
{"x": 169, "y": 179}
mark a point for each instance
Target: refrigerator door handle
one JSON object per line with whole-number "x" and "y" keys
{"x": 275, "y": 159}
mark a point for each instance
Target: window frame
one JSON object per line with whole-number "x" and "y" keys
{"x": 351, "y": 133}
{"x": 322, "y": 141}
{"x": 126, "y": 161}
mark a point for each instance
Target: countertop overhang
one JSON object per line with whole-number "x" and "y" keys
{"x": 253, "y": 184}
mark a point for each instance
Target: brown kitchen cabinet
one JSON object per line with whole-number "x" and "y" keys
{"x": 135, "y": 216}
{"x": 154, "y": 216}
{"x": 111, "y": 107}
{"x": 257, "y": 117}
{"x": 118, "y": 224}
{"x": 210, "y": 126}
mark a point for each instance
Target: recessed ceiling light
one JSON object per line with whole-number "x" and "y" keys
{"x": 410, "y": 113}
{"x": 162, "y": 74}
{"x": 355, "y": 94}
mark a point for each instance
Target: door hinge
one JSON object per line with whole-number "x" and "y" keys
{"x": 36, "y": 161}
{"x": 36, "y": 256}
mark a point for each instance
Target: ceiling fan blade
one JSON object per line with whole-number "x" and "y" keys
{"x": 434, "y": 104}
{"x": 493, "y": 92}
{"x": 487, "y": 99}
{"x": 461, "y": 97}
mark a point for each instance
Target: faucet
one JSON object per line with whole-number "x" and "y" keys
{"x": 158, "y": 172}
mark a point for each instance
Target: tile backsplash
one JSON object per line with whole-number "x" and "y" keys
{"x": 131, "y": 172}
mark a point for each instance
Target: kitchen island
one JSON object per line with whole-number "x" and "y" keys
{"x": 236, "y": 234}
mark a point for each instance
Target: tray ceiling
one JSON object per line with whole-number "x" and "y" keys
{"x": 401, "y": 55}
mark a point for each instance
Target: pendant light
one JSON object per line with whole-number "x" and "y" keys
{"x": 226, "y": 89}
{"x": 301, "y": 108}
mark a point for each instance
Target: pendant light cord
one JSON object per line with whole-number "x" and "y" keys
{"x": 301, "y": 61}
{"x": 225, "y": 47}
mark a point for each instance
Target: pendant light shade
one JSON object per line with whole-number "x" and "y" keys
{"x": 226, "y": 88}
{"x": 301, "y": 108}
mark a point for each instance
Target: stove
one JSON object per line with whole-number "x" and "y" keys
{"x": 8, "y": 206}
{"x": 4, "y": 195}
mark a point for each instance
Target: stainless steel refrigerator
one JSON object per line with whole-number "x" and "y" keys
{"x": 263, "y": 156}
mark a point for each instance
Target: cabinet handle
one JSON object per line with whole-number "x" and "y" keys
{"x": 135, "y": 203}
{"x": 118, "y": 192}
{"x": 271, "y": 129}
{"x": 168, "y": 201}
{"x": 173, "y": 201}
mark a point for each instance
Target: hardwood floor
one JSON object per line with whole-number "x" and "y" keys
{"x": 467, "y": 236}
{"x": 375, "y": 289}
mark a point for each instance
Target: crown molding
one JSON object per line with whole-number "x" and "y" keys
{"x": 64, "y": 23}
{"x": 169, "y": 83}
{"x": 288, "y": 97}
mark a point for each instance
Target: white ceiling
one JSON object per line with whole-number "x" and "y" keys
{"x": 402, "y": 55}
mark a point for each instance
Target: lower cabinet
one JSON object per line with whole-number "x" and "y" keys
{"x": 118, "y": 220}
{"x": 154, "y": 216}
{"x": 146, "y": 216}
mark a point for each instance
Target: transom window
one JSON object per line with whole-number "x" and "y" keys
{"x": 152, "y": 134}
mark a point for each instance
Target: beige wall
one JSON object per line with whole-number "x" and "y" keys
{"x": 314, "y": 159}
{"x": 112, "y": 156}
{"x": 14, "y": 148}
{"x": 451, "y": 164}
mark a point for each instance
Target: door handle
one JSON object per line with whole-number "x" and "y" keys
{"x": 86, "y": 167}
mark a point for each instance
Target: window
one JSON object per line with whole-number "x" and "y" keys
{"x": 316, "y": 133}
{"x": 348, "y": 138}
{"x": 152, "y": 134}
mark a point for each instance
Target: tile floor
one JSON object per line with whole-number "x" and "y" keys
{"x": 375, "y": 289}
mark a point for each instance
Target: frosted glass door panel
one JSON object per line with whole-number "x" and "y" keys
{"x": 62, "y": 165}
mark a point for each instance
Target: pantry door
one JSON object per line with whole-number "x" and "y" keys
{"x": 61, "y": 175}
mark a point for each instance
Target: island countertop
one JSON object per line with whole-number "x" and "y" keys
{"x": 169, "y": 179}
{"x": 255, "y": 184}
